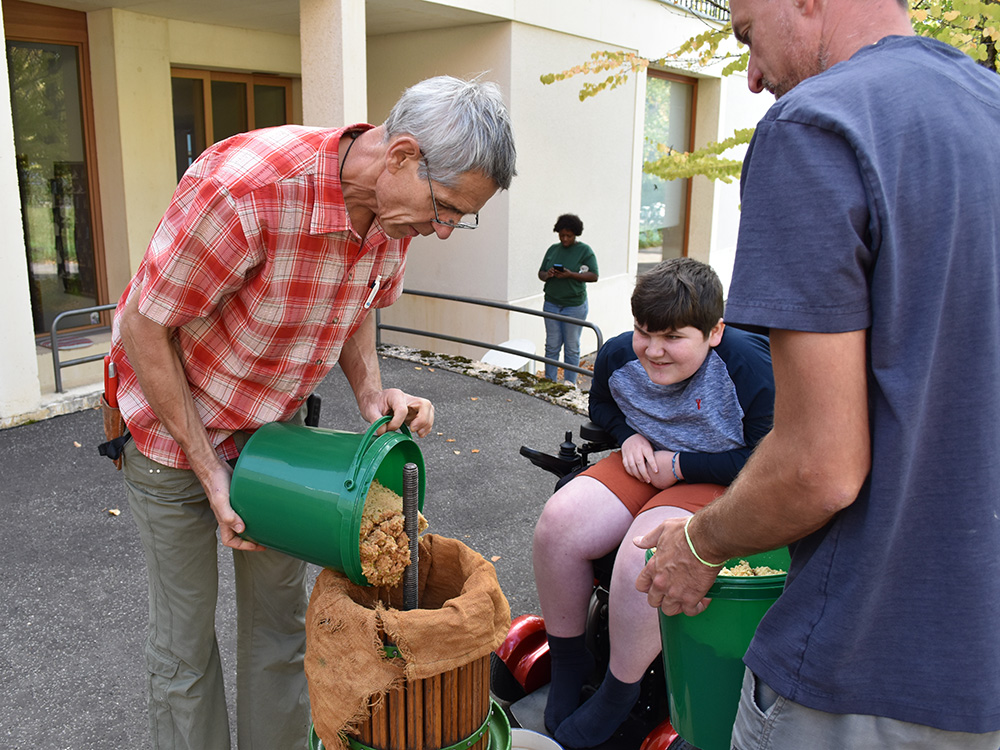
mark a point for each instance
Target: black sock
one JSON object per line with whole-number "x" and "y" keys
{"x": 572, "y": 662}
{"x": 598, "y": 719}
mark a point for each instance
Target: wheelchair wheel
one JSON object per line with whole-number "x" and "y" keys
{"x": 503, "y": 684}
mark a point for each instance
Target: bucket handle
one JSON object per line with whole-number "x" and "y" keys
{"x": 369, "y": 437}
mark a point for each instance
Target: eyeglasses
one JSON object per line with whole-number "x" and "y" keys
{"x": 468, "y": 221}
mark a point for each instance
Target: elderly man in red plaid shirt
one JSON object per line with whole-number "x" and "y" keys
{"x": 259, "y": 279}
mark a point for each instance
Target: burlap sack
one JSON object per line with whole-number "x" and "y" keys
{"x": 463, "y": 616}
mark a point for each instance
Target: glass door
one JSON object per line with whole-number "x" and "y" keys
{"x": 663, "y": 215}
{"x": 51, "y": 153}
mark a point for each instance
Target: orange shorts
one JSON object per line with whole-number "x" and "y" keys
{"x": 638, "y": 496}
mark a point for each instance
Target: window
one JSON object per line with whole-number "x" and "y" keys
{"x": 663, "y": 214}
{"x": 210, "y": 106}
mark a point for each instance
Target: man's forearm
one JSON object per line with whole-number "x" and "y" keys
{"x": 814, "y": 461}
{"x": 766, "y": 507}
{"x": 359, "y": 363}
{"x": 164, "y": 385}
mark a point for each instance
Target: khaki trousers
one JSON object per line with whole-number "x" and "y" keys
{"x": 767, "y": 721}
{"x": 187, "y": 701}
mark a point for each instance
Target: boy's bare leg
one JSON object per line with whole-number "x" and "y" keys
{"x": 635, "y": 642}
{"x": 634, "y": 626}
{"x": 582, "y": 522}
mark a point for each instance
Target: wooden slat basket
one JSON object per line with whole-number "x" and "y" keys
{"x": 437, "y": 712}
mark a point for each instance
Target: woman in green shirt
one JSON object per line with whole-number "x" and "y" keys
{"x": 568, "y": 266}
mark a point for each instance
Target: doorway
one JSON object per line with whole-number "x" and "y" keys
{"x": 663, "y": 216}
{"x": 50, "y": 107}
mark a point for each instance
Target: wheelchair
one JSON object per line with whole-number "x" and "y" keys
{"x": 521, "y": 664}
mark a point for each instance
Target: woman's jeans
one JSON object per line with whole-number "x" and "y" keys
{"x": 559, "y": 334}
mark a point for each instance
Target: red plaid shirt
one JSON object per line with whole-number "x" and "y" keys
{"x": 257, "y": 268}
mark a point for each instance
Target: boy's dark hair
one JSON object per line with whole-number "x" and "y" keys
{"x": 677, "y": 293}
{"x": 571, "y": 222}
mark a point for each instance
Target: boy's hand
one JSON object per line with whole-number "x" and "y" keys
{"x": 639, "y": 458}
{"x": 665, "y": 476}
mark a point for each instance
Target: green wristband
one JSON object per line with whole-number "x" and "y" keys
{"x": 687, "y": 535}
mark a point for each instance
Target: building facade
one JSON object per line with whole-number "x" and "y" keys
{"x": 107, "y": 101}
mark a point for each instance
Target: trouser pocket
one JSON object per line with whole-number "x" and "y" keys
{"x": 162, "y": 668}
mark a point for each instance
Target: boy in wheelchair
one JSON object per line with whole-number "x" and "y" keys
{"x": 687, "y": 399}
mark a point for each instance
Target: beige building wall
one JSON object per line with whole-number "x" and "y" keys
{"x": 740, "y": 109}
{"x": 131, "y": 56}
{"x": 576, "y": 157}
{"x": 573, "y": 157}
{"x": 470, "y": 262}
{"x": 334, "y": 80}
{"x": 19, "y": 387}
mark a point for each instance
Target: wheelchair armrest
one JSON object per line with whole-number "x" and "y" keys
{"x": 593, "y": 433}
{"x": 558, "y": 466}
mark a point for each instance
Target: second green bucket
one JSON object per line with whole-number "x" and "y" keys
{"x": 703, "y": 655}
{"x": 301, "y": 490}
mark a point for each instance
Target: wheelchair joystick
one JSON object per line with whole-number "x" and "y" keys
{"x": 567, "y": 450}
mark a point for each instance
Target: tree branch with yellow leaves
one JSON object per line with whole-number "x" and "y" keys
{"x": 972, "y": 26}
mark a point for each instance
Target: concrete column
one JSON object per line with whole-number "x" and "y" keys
{"x": 20, "y": 390}
{"x": 334, "y": 67}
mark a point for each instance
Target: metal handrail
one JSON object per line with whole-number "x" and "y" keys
{"x": 57, "y": 364}
{"x": 379, "y": 327}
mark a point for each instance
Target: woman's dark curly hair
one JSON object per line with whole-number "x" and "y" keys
{"x": 570, "y": 222}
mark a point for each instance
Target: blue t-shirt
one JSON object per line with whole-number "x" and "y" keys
{"x": 871, "y": 200}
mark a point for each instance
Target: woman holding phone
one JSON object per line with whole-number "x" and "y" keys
{"x": 568, "y": 266}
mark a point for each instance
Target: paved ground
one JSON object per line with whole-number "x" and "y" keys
{"x": 73, "y": 610}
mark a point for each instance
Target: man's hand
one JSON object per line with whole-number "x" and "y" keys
{"x": 417, "y": 413}
{"x": 215, "y": 479}
{"x": 359, "y": 364}
{"x": 639, "y": 458}
{"x": 674, "y": 581}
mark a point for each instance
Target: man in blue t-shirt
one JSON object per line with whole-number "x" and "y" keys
{"x": 869, "y": 246}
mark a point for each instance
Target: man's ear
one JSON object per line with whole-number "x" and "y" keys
{"x": 402, "y": 150}
{"x": 715, "y": 335}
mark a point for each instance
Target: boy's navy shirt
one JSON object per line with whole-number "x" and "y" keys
{"x": 714, "y": 418}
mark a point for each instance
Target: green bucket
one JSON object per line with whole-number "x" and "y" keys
{"x": 703, "y": 655}
{"x": 301, "y": 490}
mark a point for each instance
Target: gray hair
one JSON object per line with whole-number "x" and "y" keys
{"x": 461, "y": 126}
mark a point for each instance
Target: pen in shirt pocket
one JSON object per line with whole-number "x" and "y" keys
{"x": 375, "y": 287}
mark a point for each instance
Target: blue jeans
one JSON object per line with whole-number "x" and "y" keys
{"x": 559, "y": 335}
